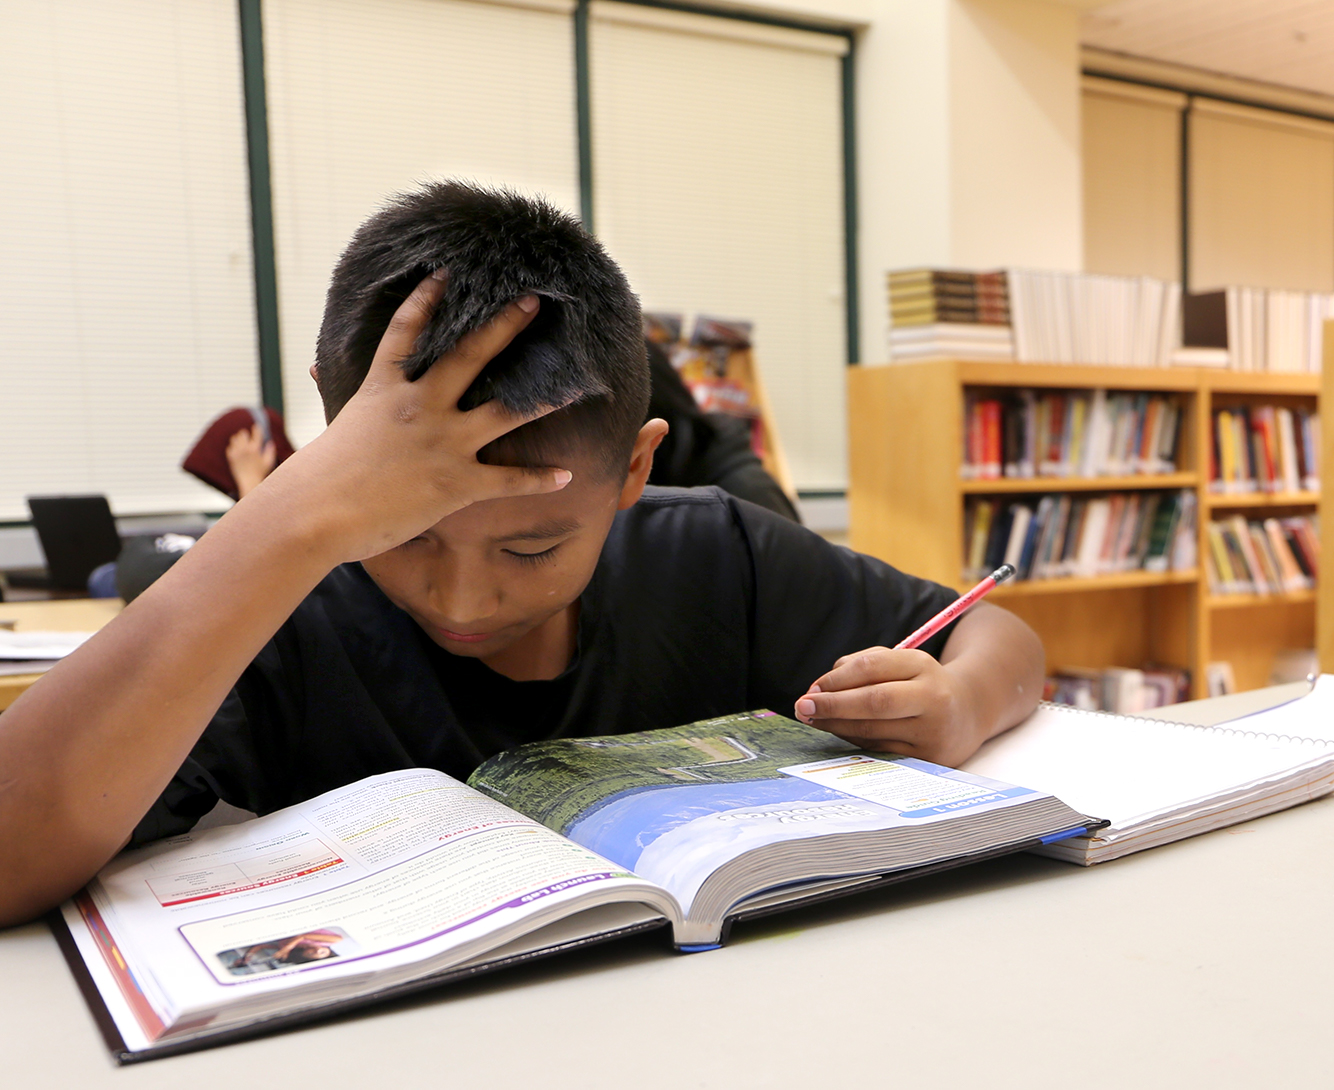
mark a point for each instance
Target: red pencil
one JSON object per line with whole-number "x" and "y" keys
{"x": 957, "y": 607}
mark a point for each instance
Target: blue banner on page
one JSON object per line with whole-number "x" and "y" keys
{"x": 964, "y": 804}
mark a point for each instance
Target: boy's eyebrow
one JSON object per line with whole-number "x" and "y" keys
{"x": 554, "y": 528}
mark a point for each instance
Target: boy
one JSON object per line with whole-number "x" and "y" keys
{"x": 464, "y": 560}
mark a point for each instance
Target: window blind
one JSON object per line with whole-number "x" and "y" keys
{"x": 718, "y": 186}
{"x": 126, "y": 294}
{"x": 1132, "y": 179}
{"x": 1261, "y": 198}
{"x": 366, "y": 100}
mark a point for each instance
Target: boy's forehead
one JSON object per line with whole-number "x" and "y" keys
{"x": 588, "y": 500}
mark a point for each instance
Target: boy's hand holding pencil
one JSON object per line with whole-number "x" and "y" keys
{"x": 902, "y": 700}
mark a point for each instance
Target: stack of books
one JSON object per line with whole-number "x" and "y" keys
{"x": 1069, "y": 434}
{"x": 1263, "y": 556}
{"x": 1062, "y": 535}
{"x": 1118, "y": 689}
{"x": 1264, "y": 448}
{"x": 949, "y": 312}
{"x": 1262, "y": 329}
{"x": 1062, "y": 317}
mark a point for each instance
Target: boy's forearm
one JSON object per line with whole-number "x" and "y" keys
{"x": 86, "y": 751}
{"x": 1000, "y": 662}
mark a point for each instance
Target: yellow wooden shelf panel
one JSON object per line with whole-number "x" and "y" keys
{"x": 1250, "y": 382}
{"x": 1076, "y": 376}
{"x": 1242, "y": 601}
{"x": 1261, "y": 499}
{"x": 1116, "y": 581}
{"x": 1080, "y": 484}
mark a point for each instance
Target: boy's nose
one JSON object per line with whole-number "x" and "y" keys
{"x": 462, "y": 597}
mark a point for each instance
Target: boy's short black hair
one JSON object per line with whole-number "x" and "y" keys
{"x": 584, "y": 350}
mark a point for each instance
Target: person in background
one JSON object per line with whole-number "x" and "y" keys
{"x": 251, "y": 456}
{"x": 234, "y": 454}
{"x": 706, "y": 448}
{"x": 239, "y": 449}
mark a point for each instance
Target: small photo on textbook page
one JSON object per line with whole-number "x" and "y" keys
{"x": 287, "y": 952}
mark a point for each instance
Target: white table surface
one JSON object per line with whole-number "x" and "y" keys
{"x": 1206, "y": 963}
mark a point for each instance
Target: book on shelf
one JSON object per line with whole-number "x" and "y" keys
{"x": 1264, "y": 448}
{"x": 1262, "y": 329}
{"x": 1062, "y": 535}
{"x": 1262, "y": 556}
{"x": 1157, "y": 782}
{"x": 920, "y": 297}
{"x": 941, "y": 313}
{"x": 408, "y": 879}
{"x": 1068, "y": 434}
{"x": 1219, "y": 680}
{"x": 1070, "y": 317}
{"x": 1123, "y": 690}
{"x": 948, "y": 340}
{"x": 1197, "y": 356}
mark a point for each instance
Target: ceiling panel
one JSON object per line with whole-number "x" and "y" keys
{"x": 1284, "y": 42}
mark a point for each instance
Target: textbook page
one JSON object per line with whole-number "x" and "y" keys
{"x": 333, "y": 897}
{"x": 676, "y": 805}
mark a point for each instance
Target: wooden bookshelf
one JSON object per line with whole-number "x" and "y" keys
{"x": 906, "y": 505}
{"x": 1325, "y": 589}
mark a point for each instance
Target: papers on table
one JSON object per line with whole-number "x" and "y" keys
{"x": 35, "y": 652}
{"x": 1156, "y": 781}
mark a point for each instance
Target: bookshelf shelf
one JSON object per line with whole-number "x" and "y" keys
{"x": 1242, "y": 382}
{"x": 1073, "y": 376}
{"x": 1021, "y": 485}
{"x": 1261, "y": 499}
{"x": 1118, "y": 581}
{"x": 907, "y": 506}
{"x": 1243, "y": 601}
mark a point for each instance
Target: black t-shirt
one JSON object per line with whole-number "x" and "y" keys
{"x": 700, "y": 605}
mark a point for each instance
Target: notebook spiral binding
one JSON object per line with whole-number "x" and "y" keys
{"x": 1219, "y": 729}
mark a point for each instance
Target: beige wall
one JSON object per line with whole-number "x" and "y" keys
{"x": 968, "y": 141}
{"x": 1015, "y": 154}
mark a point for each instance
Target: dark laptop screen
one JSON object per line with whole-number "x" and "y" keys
{"x": 77, "y": 534}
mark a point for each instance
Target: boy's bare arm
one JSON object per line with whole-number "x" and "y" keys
{"x": 86, "y": 751}
{"x": 989, "y": 678}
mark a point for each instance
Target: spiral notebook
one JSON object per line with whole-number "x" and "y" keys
{"x": 1156, "y": 781}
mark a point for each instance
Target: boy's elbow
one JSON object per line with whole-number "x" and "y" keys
{"x": 37, "y": 880}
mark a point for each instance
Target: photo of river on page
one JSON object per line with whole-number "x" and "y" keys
{"x": 677, "y": 806}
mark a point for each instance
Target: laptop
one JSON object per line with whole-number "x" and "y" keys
{"x": 77, "y": 534}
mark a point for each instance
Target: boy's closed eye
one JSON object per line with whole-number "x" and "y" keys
{"x": 533, "y": 558}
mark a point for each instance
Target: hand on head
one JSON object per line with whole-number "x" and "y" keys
{"x": 402, "y": 455}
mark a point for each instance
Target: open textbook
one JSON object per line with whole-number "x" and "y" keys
{"x": 1156, "y": 781}
{"x": 406, "y": 879}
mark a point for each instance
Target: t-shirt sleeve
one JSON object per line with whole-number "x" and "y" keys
{"x": 234, "y": 759}
{"x": 815, "y": 602}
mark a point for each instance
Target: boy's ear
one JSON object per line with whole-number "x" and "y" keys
{"x": 641, "y": 462}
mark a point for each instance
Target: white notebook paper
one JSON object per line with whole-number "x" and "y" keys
{"x": 1157, "y": 781}
{"x": 30, "y": 646}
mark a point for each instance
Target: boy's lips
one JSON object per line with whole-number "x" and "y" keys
{"x": 463, "y": 637}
